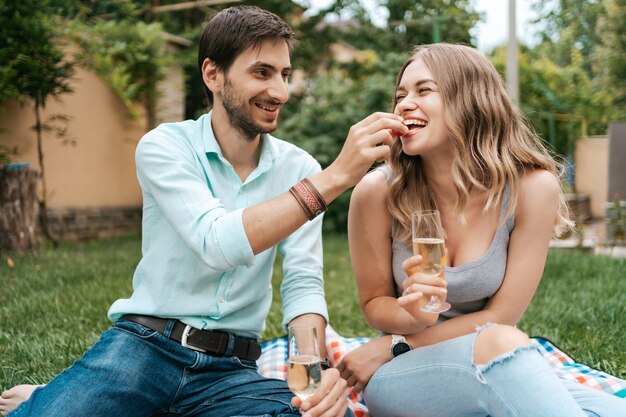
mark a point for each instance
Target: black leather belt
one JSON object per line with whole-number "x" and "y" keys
{"x": 212, "y": 342}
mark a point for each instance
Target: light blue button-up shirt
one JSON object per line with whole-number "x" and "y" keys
{"x": 197, "y": 263}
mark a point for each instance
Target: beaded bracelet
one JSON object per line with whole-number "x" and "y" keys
{"x": 309, "y": 198}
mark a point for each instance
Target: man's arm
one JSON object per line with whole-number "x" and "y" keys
{"x": 368, "y": 141}
{"x": 167, "y": 170}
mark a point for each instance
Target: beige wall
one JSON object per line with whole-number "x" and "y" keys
{"x": 100, "y": 170}
{"x": 592, "y": 171}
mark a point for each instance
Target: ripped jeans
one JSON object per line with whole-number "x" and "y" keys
{"x": 442, "y": 380}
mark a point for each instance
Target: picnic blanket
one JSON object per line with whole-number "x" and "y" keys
{"x": 273, "y": 364}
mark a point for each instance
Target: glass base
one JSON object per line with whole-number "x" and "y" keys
{"x": 436, "y": 307}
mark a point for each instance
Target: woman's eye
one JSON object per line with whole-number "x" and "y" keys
{"x": 400, "y": 97}
{"x": 423, "y": 90}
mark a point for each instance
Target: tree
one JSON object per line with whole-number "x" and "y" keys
{"x": 609, "y": 59}
{"x": 561, "y": 101}
{"x": 34, "y": 68}
{"x": 130, "y": 56}
{"x": 419, "y": 22}
{"x": 588, "y": 35}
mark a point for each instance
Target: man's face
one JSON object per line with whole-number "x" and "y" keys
{"x": 256, "y": 88}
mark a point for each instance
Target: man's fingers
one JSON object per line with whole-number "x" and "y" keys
{"x": 338, "y": 408}
{"x": 334, "y": 400}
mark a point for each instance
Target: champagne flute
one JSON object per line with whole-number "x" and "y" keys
{"x": 429, "y": 242}
{"x": 304, "y": 372}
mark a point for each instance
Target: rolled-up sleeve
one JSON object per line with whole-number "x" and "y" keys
{"x": 173, "y": 178}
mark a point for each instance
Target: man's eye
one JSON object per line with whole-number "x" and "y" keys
{"x": 261, "y": 73}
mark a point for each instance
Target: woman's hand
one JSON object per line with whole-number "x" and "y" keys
{"x": 331, "y": 398}
{"x": 418, "y": 288}
{"x": 358, "y": 366}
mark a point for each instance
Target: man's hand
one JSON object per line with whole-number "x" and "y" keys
{"x": 330, "y": 400}
{"x": 358, "y": 366}
{"x": 368, "y": 141}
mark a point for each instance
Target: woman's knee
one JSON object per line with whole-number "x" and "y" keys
{"x": 497, "y": 340}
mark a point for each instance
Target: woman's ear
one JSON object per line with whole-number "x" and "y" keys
{"x": 212, "y": 76}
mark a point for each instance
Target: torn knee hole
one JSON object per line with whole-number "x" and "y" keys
{"x": 496, "y": 340}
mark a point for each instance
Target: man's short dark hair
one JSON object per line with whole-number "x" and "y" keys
{"x": 232, "y": 31}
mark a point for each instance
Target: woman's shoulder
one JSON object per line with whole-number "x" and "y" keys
{"x": 537, "y": 180}
{"x": 369, "y": 197}
{"x": 538, "y": 189}
{"x": 373, "y": 186}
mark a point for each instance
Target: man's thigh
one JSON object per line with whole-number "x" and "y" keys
{"x": 244, "y": 392}
{"x": 123, "y": 374}
{"x": 229, "y": 386}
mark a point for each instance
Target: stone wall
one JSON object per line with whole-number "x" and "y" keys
{"x": 89, "y": 223}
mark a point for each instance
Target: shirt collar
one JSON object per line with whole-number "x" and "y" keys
{"x": 269, "y": 147}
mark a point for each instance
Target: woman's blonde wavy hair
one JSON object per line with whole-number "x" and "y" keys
{"x": 492, "y": 142}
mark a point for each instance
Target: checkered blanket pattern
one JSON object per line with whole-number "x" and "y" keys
{"x": 273, "y": 364}
{"x": 568, "y": 368}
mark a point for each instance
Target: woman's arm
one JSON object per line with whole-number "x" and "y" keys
{"x": 535, "y": 218}
{"x": 369, "y": 235}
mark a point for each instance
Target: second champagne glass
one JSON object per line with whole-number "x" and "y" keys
{"x": 304, "y": 372}
{"x": 429, "y": 242}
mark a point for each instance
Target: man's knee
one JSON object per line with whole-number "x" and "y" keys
{"x": 497, "y": 340}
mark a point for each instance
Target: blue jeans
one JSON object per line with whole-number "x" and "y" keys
{"x": 134, "y": 371}
{"x": 442, "y": 380}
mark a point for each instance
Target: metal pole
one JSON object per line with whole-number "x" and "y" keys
{"x": 512, "y": 70}
{"x": 436, "y": 31}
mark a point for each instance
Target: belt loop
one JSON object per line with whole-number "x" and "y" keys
{"x": 169, "y": 326}
{"x": 231, "y": 345}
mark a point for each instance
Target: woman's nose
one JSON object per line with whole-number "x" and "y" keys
{"x": 407, "y": 104}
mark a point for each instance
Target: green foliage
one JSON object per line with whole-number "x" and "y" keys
{"x": 417, "y": 22}
{"x": 129, "y": 56}
{"x": 319, "y": 119}
{"x": 609, "y": 59}
{"x": 53, "y": 304}
{"x": 561, "y": 100}
{"x": 32, "y": 63}
{"x": 586, "y": 40}
{"x": 88, "y": 10}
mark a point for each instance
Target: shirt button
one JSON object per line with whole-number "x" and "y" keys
{"x": 222, "y": 299}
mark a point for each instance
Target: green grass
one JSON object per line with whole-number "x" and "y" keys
{"x": 53, "y": 305}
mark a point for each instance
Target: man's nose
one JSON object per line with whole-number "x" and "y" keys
{"x": 279, "y": 89}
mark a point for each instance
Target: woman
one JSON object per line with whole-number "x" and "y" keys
{"x": 469, "y": 155}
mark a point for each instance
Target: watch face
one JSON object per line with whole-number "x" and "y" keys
{"x": 400, "y": 348}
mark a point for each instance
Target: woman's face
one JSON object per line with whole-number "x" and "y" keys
{"x": 420, "y": 103}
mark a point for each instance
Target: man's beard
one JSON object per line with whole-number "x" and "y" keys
{"x": 238, "y": 114}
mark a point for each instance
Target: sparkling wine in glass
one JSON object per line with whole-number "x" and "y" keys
{"x": 429, "y": 242}
{"x": 304, "y": 372}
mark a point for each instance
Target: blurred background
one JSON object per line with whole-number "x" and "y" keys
{"x": 82, "y": 80}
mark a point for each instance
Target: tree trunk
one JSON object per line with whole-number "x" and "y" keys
{"x": 18, "y": 198}
{"x": 43, "y": 209}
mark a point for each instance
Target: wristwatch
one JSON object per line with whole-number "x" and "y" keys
{"x": 399, "y": 345}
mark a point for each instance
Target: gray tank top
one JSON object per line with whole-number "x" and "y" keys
{"x": 472, "y": 284}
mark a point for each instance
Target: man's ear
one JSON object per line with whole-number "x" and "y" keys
{"x": 212, "y": 76}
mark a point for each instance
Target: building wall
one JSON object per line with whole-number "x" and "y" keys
{"x": 92, "y": 186}
{"x": 592, "y": 171}
{"x": 99, "y": 171}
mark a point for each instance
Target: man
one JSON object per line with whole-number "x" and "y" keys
{"x": 220, "y": 197}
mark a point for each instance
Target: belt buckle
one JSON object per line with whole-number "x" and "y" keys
{"x": 183, "y": 340}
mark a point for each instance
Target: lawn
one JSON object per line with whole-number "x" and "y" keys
{"x": 53, "y": 305}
